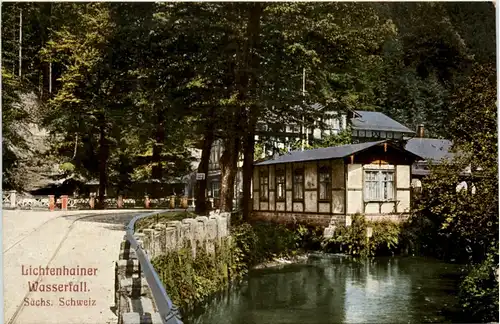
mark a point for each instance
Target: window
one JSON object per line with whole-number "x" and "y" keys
{"x": 215, "y": 154}
{"x": 280, "y": 185}
{"x": 324, "y": 184}
{"x": 298, "y": 184}
{"x": 379, "y": 185}
{"x": 295, "y": 128}
{"x": 264, "y": 185}
{"x": 215, "y": 189}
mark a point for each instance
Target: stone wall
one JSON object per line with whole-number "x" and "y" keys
{"x": 134, "y": 302}
{"x": 323, "y": 220}
{"x": 192, "y": 232}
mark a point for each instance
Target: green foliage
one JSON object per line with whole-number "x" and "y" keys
{"x": 462, "y": 225}
{"x": 189, "y": 280}
{"x": 258, "y": 151}
{"x": 479, "y": 290}
{"x": 262, "y": 242}
{"x": 386, "y": 238}
{"x": 343, "y": 138}
{"x": 468, "y": 218}
{"x": 67, "y": 167}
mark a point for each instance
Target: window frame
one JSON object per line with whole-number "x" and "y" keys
{"x": 380, "y": 185}
{"x": 213, "y": 189}
{"x": 280, "y": 174}
{"x": 264, "y": 194}
{"x": 325, "y": 170}
{"x": 298, "y": 172}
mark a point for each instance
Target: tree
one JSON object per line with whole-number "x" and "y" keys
{"x": 429, "y": 58}
{"x": 468, "y": 218}
{"x": 81, "y": 107}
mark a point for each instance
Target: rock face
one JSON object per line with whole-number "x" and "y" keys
{"x": 33, "y": 167}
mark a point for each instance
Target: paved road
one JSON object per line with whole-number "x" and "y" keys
{"x": 74, "y": 240}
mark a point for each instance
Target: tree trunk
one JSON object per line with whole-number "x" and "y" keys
{"x": 253, "y": 30}
{"x": 103, "y": 161}
{"x": 201, "y": 185}
{"x": 229, "y": 164}
{"x": 157, "y": 171}
{"x": 248, "y": 158}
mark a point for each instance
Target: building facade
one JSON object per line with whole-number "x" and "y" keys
{"x": 323, "y": 186}
{"x": 277, "y": 139}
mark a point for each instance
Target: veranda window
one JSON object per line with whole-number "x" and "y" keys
{"x": 379, "y": 185}
{"x": 264, "y": 186}
{"x": 280, "y": 185}
{"x": 298, "y": 184}
{"x": 324, "y": 184}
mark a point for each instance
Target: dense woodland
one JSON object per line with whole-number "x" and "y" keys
{"x": 127, "y": 89}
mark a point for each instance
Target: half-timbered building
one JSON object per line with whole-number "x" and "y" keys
{"x": 325, "y": 185}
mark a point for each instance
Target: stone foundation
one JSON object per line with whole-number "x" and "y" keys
{"x": 323, "y": 220}
{"x": 397, "y": 218}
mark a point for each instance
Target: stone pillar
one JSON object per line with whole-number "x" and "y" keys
{"x": 172, "y": 202}
{"x": 119, "y": 202}
{"x": 184, "y": 202}
{"x": 64, "y": 202}
{"x": 12, "y": 199}
{"x": 52, "y": 202}
{"x": 146, "y": 201}
{"x": 92, "y": 201}
{"x": 189, "y": 228}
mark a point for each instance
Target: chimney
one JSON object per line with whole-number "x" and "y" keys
{"x": 420, "y": 131}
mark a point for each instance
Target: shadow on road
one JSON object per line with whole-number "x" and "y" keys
{"x": 118, "y": 219}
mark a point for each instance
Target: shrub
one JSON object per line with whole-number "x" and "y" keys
{"x": 353, "y": 239}
{"x": 479, "y": 291}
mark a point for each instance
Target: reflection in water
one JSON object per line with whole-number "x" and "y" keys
{"x": 338, "y": 290}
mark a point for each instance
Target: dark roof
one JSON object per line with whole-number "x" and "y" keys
{"x": 377, "y": 121}
{"x": 334, "y": 152}
{"x": 430, "y": 149}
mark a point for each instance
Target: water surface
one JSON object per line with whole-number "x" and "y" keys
{"x": 339, "y": 290}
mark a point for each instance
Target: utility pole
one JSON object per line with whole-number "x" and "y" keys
{"x": 20, "y": 40}
{"x": 303, "y": 95}
{"x": 50, "y": 63}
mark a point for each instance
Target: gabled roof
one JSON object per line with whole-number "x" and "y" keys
{"x": 377, "y": 121}
{"x": 430, "y": 149}
{"x": 334, "y": 152}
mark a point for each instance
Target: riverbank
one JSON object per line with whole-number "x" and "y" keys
{"x": 339, "y": 289}
{"x": 190, "y": 280}
{"x": 282, "y": 261}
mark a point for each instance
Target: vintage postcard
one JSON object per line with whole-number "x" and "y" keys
{"x": 249, "y": 162}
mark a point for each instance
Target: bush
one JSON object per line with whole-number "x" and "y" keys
{"x": 479, "y": 291}
{"x": 264, "y": 241}
{"x": 189, "y": 280}
{"x": 386, "y": 237}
